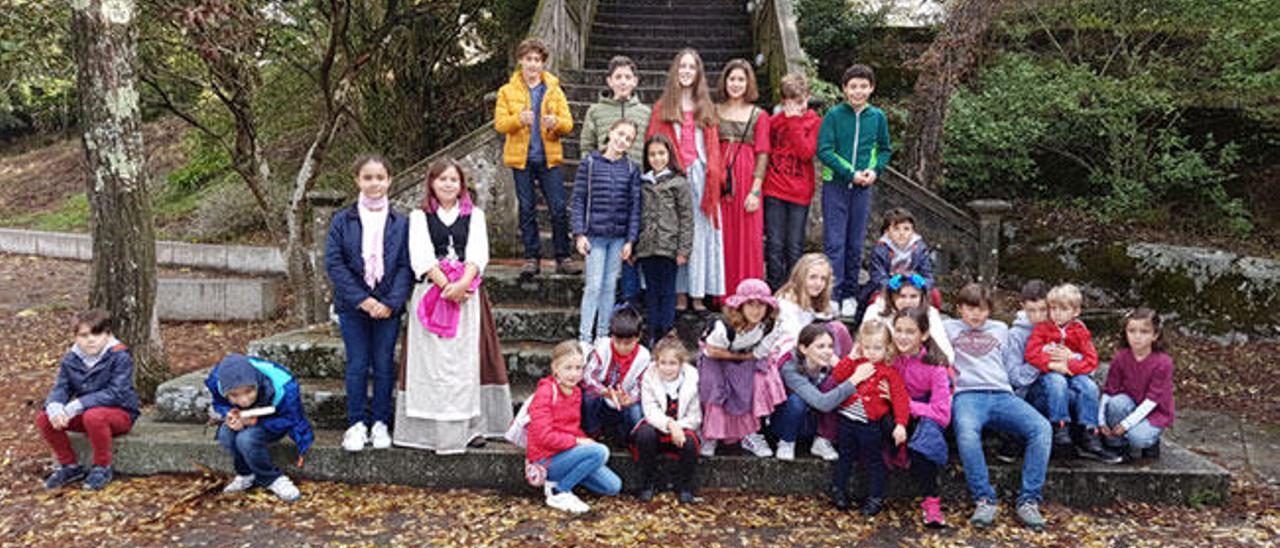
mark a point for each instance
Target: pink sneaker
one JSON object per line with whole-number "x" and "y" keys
{"x": 932, "y": 508}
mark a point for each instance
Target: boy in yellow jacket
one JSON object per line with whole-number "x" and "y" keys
{"x": 532, "y": 104}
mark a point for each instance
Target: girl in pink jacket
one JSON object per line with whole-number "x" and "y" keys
{"x": 924, "y": 369}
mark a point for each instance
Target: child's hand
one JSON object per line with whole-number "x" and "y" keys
{"x": 869, "y": 177}
{"x": 1059, "y": 353}
{"x": 1118, "y": 431}
{"x": 677, "y": 433}
{"x": 1105, "y": 431}
{"x": 681, "y": 259}
{"x": 526, "y": 118}
{"x": 884, "y": 390}
{"x": 584, "y": 246}
{"x": 899, "y": 435}
{"x": 59, "y": 421}
{"x": 626, "y": 251}
{"x": 549, "y": 122}
{"x": 233, "y": 420}
{"x": 622, "y": 398}
{"x": 585, "y": 441}
{"x": 1060, "y": 367}
{"x": 248, "y": 421}
{"x": 751, "y": 204}
{"x": 455, "y": 291}
{"x": 864, "y": 372}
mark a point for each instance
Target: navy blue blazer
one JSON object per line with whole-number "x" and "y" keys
{"x": 345, "y": 266}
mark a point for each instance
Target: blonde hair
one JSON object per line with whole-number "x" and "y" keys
{"x": 794, "y": 86}
{"x": 671, "y": 343}
{"x": 1066, "y": 294}
{"x": 876, "y": 328}
{"x": 564, "y": 350}
{"x": 794, "y": 290}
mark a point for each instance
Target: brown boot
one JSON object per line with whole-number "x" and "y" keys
{"x": 567, "y": 266}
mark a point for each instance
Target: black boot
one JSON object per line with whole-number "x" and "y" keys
{"x": 872, "y": 506}
{"x": 646, "y": 492}
{"x": 840, "y": 500}
{"x": 1152, "y": 452}
{"x": 1061, "y": 435}
{"x": 1091, "y": 448}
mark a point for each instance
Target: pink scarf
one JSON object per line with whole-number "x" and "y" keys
{"x": 373, "y": 220}
{"x": 438, "y": 314}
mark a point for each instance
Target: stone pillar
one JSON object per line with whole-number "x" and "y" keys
{"x": 323, "y": 205}
{"x": 989, "y": 214}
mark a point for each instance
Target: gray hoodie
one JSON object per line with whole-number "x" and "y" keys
{"x": 1021, "y": 373}
{"x": 979, "y": 355}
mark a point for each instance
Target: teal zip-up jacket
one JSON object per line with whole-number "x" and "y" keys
{"x": 841, "y": 128}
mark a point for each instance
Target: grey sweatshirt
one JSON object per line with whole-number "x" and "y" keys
{"x": 979, "y": 355}
{"x": 795, "y": 376}
{"x": 1021, "y": 373}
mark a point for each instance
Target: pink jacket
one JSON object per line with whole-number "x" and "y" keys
{"x": 929, "y": 387}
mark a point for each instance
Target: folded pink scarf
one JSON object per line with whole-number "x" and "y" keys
{"x": 438, "y": 314}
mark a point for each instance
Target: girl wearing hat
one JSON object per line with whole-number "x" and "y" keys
{"x": 736, "y": 348}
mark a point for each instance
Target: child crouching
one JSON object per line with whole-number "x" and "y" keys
{"x": 672, "y": 415}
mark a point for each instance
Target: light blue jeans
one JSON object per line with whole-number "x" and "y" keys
{"x": 1141, "y": 436}
{"x": 585, "y": 464}
{"x": 1060, "y": 397}
{"x": 600, "y": 287}
{"x": 973, "y": 410}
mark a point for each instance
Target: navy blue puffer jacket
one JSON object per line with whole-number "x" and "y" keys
{"x": 607, "y": 205}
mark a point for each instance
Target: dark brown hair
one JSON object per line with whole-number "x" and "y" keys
{"x": 1139, "y": 314}
{"x": 1034, "y": 290}
{"x": 437, "y": 169}
{"x": 933, "y": 354}
{"x": 363, "y": 159}
{"x": 533, "y": 44}
{"x": 621, "y": 61}
{"x": 752, "y": 94}
{"x": 810, "y": 333}
{"x": 673, "y": 163}
{"x": 975, "y": 294}
{"x": 96, "y": 319}
{"x": 704, "y": 111}
{"x": 895, "y": 216}
{"x": 858, "y": 71}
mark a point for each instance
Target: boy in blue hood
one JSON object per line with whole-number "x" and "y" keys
{"x": 239, "y": 383}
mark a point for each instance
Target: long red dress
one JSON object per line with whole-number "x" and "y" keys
{"x": 740, "y": 142}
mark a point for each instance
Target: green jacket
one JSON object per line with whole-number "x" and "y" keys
{"x": 603, "y": 113}
{"x": 841, "y": 128}
{"x": 666, "y": 216}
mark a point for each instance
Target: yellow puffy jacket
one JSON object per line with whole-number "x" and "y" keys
{"x": 514, "y": 98}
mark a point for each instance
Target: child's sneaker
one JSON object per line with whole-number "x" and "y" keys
{"x": 823, "y": 449}
{"x": 381, "y": 438}
{"x": 283, "y": 487}
{"x": 1029, "y": 514}
{"x": 932, "y": 508}
{"x": 872, "y": 506}
{"x": 840, "y": 500}
{"x": 355, "y": 437}
{"x": 786, "y": 450}
{"x": 99, "y": 477}
{"x": 849, "y": 307}
{"x": 756, "y": 444}
{"x": 646, "y": 493}
{"x": 1153, "y": 452}
{"x": 708, "y": 448}
{"x": 687, "y": 497}
{"x": 1061, "y": 435}
{"x": 1009, "y": 450}
{"x": 566, "y": 501}
{"x": 1091, "y": 448}
{"x": 984, "y": 514}
{"x": 65, "y": 474}
{"x": 239, "y": 484}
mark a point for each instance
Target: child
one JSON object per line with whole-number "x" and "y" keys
{"x": 93, "y": 394}
{"x": 533, "y": 114}
{"x": 672, "y": 415}
{"x": 1140, "y": 372}
{"x": 903, "y": 291}
{"x": 900, "y": 250}
{"x": 788, "y": 183}
{"x": 744, "y": 148}
{"x": 239, "y": 383}
{"x": 923, "y": 369}
{"x": 556, "y": 443}
{"x": 808, "y": 411}
{"x": 984, "y": 399}
{"x": 666, "y": 232}
{"x": 1035, "y": 309}
{"x": 735, "y": 349}
{"x": 853, "y": 144}
{"x": 806, "y": 298}
{"x": 606, "y": 222}
{"x": 860, "y": 414}
{"x": 611, "y": 381}
{"x": 1062, "y": 349}
{"x": 616, "y": 103}
{"x": 367, "y": 260}
{"x": 687, "y": 117}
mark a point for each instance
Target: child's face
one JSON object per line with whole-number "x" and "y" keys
{"x": 1062, "y": 313}
{"x": 621, "y": 137}
{"x": 974, "y": 316}
{"x": 531, "y": 65}
{"x": 568, "y": 370}
{"x": 900, "y": 233}
{"x": 735, "y": 84}
{"x": 669, "y": 365}
{"x": 857, "y": 91}
{"x": 816, "y": 280}
{"x": 89, "y": 342}
{"x": 373, "y": 180}
{"x": 874, "y": 348}
{"x": 622, "y": 82}
{"x": 447, "y": 186}
{"x": 687, "y": 71}
{"x": 659, "y": 157}
{"x": 907, "y": 336}
{"x": 907, "y": 297}
{"x": 1036, "y": 311}
{"x": 754, "y": 311}
{"x": 795, "y": 106}
{"x": 1141, "y": 335}
{"x": 242, "y": 396}
{"x": 625, "y": 345}
{"x": 819, "y": 352}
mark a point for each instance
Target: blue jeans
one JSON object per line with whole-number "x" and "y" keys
{"x": 597, "y": 416}
{"x": 973, "y": 410}
{"x": 631, "y": 282}
{"x": 249, "y": 454}
{"x": 784, "y": 230}
{"x": 845, "y": 211}
{"x": 1141, "y": 436}
{"x": 660, "y": 296}
{"x": 585, "y": 464}
{"x": 1059, "y": 397}
{"x": 551, "y": 180}
{"x": 859, "y": 441}
{"x": 370, "y": 344}
{"x": 793, "y": 420}
{"x": 600, "y": 286}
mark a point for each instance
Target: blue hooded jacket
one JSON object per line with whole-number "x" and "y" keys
{"x": 276, "y": 387}
{"x": 108, "y": 383}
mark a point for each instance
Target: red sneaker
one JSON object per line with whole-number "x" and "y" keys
{"x": 932, "y": 508}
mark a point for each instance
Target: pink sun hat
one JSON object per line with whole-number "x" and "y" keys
{"x": 751, "y": 289}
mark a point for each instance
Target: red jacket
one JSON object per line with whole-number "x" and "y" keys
{"x": 869, "y": 390}
{"x": 555, "y": 420}
{"x": 715, "y": 167}
{"x": 1075, "y": 336}
{"x": 792, "y": 141}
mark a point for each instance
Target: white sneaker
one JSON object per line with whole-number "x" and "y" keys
{"x": 849, "y": 307}
{"x": 356, "y": 437}
{"x": 708, "y": 448}
{"x": 822, "y": 449}
{"x": 786, "y": 450}
{"x": 756, "y": 444}
{"x": 568, "y": 502}
{"x": 835, "y": 308}
{"x": 284, "y": 489}
{"x": 381, "y": 438}
{"x": 239, "y": 484}
{"x": 548, "y": 488}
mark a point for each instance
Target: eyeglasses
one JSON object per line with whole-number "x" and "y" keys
{"x": 895, "y": 283}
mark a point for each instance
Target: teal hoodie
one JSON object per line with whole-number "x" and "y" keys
{"x": 841, "y": 128}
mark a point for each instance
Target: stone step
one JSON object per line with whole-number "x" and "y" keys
{"x": 590, "y": 93}
{"x": 667, "y": 31}
{"x": 1178, "y": 478}
{"x": 674, "y": 3}
{"x": 721, "y": 53}
{"x": 662, "y": 62}
{"x": 650, "y": 79}
{"x": 684, "y": 12}
{"x": 679, "y": 39}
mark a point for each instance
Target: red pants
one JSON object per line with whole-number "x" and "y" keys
{"x": 100, "y": 424}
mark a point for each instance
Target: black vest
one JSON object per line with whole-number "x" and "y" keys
{"x": 443, "y": 236}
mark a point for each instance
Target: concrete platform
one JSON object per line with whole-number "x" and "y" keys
{"x": 217, "y": 299}
{"x": 160, "y": 448}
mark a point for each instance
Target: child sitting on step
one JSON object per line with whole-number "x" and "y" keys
{"x": 611, "y": 381}
{"x": 93, "y": 394}
{"x": 672, "y": 415}
{"x": 258, "y": 402}
{"x": 1137, "y": 400}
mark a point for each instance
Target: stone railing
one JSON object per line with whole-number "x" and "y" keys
{"x": 773, "y": 30}
{"x": 565, "y": 26}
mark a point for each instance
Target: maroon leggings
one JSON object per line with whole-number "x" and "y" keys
{"x": 100, "y": 424}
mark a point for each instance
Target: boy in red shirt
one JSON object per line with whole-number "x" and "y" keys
{"x": 788, "y": 183}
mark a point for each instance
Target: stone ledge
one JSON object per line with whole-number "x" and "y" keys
{"x": 217, "y": 299}
{"x": 69, "y": 245}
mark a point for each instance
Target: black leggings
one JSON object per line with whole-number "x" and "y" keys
{"x": 649, "y": 441}
{"x": 925, "y": 474}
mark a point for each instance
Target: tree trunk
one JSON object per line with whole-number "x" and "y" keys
{"x": 940, "y": 70}
{"x": 124, "y": 250}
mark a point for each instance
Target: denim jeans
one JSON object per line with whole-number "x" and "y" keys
{"x": 859, "y": 441}
{"x": 845, "y": 212}
{"x": 630, "y": 282}
{"x": 1141, "y": 436}
{"x": 973, "y": 410}
{"x": 249, "y": 454}
{"x": 794, "y": 420}
{"x": 597, "y": 416}
{"x": 784, "y": 230}
{"x": 1060, "y": 398}
{"x": 370, "y": 345}
{"x": 551, "y": 180}
{"x": 660, "y": 295}
{"x": 585, "y": 464}
{"x": 600, "y": 286}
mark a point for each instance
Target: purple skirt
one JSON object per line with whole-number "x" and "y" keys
{"x": 728, "y": 383}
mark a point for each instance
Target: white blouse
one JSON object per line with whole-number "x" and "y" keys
{"x": 422, "y": 253}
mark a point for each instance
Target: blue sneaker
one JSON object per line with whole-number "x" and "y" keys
{"x": 98, "y": 478}
{"x": 65, "y": 474}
